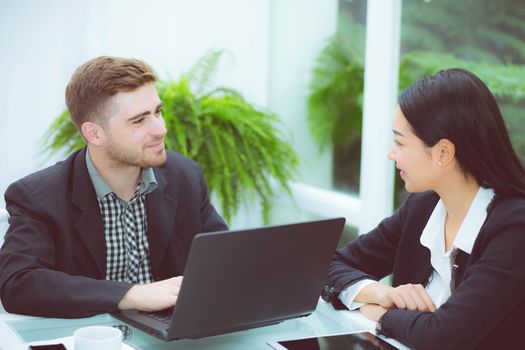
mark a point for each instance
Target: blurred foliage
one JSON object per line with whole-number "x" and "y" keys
{"x": 475, "y": 30}
{"x": 483, "y": 36}
{"x": 336, "y": 89}
{"x": 236, "y": 143}
{"x": 504, "y": 80}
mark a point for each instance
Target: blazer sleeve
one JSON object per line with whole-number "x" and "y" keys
{"x": 492, "y": 288}
{"x": 369, "y": 256}
{"x": 211, "y": 220}
{"x": 30, "y": 282}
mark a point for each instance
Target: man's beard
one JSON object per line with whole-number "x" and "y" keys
{"x": 122, "y": 157}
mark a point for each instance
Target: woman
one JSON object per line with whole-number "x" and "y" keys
{"x": 456, "y": 247}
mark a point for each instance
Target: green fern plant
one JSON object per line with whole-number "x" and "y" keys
{"x": 335, "y": 101}
{"x": 237, "y": 144}
{"x": 336, "y": 89}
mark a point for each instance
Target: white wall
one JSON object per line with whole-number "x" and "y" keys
{"x": 42, "y": 42}
{"x": 299, "y": 31}
{"x": 33, "y": 66}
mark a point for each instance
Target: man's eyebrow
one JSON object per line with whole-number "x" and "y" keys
{"x": 145, "y": 113}
{"x": 138, "y": 116}
{"x": 397, "y": 133}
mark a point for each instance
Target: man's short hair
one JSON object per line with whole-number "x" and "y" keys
{"x": 96, "y": 81}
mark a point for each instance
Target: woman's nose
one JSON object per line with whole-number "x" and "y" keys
{"x": 391, "y": 154}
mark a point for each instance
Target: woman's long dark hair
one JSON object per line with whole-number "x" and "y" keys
{"x": 456, "y": 105}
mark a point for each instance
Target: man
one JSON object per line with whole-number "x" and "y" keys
{"x": 109, "y": 227}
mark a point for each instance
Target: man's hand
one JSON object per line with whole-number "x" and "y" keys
{"x": 408, "y": 296}
{"x": 152, "y": 296}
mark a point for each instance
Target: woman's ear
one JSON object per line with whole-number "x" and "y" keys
{"x": 93, "y": 133}
{"x": 445, "y": 152}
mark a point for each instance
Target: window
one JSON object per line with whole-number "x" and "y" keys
{"x": 325, "y": 188}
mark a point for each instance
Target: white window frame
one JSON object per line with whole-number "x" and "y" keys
{"x": 375, "y": 200}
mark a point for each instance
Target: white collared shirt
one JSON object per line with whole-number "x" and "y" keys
{"x": 433, "y": 238}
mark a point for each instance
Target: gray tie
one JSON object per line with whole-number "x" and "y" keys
{"x": 453, "y": 268}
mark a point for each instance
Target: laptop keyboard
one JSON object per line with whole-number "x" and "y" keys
{"x": 163, "y": 316}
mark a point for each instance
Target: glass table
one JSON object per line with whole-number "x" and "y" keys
{"x": 18, "y": 329}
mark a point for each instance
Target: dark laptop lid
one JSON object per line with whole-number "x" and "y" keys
{"x": 242, "y": 279}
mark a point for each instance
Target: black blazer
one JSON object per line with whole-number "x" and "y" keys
{"x": 487, "y": 308}
{"x": 53, "y": 261}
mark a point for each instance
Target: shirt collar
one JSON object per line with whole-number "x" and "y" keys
{"x": 476, "y": 215}
{"x": 433, "y": 233}
{"x": 147, "y": 183}
{"x": 432, "y": 236}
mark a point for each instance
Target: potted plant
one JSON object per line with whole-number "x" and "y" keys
{"x": 236, "y": 143}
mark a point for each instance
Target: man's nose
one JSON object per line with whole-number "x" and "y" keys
{"x": 159, "y": 127}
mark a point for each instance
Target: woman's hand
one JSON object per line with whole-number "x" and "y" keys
{"x": 408, "y": 296}
{"x": 373, "y": 311}
{"x": 412, "y": 297}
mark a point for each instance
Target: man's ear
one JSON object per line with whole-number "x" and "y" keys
{"x": 93, "y": 133}
{"x": 446, "y": 151}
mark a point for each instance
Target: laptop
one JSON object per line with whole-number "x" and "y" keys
{"x": 242, "y": 279}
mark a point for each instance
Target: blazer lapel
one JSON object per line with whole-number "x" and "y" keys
{"x": 88, "y": 223}
{"x": 420, "y": 268}
{"x": 414, "y": 259}
{"x": 160, "y": 208}
{"x": 423, "y": 267}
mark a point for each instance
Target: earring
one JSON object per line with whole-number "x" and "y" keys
{"x": 439, "y": 163}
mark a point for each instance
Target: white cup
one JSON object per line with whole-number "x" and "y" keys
{"x": 98, "y": 338}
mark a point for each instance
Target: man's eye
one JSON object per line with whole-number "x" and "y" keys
{"x": 159, "y": 112}
{"x": 138, "y": 121}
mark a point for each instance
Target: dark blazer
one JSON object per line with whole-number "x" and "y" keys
{"x": 487, "y": 308}
{"x": 53, "y": 261}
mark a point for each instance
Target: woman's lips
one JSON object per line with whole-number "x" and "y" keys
{"x": 402, "y": 173}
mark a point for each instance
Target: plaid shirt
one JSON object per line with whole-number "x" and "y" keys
{"x": 125, "y": 228}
